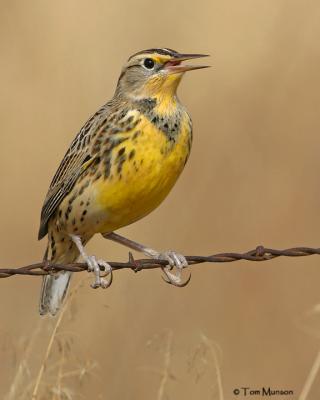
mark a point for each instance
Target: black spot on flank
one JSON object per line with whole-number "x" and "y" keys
{"x": 84, "y": 212}
{"x": 72, "y": 199}
{"x": 136, "y": 134}
{"x": 81, "y": 203}
{"x": 108, "y": 168}
{"x": 73, "y": 221}
{"x": 166, "y": 126}
{"x": 130, "y": 119}
{"x": 76, "y": 229}
{"x": 70, "y": 246}
{"x": 132, "y": 154}
{"x": 54, "y": 251}
{"x": 121, "y": 160}
{"x": 141, "y": 161}
{"x": 60, "y": 213}
{"x": 84, "y": 187}
{"x": 119, "y": 169}
{"x": 88, "y": 203}
{"x": 97, "y": 177}
{"x": 81, "y": 219}
{"x": 66, "y": 216}
{"x": 121, "y": 151}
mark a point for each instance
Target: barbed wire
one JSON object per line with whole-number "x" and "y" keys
{"x": 260, "y": 253}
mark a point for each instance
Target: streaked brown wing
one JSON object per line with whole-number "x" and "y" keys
{"x": 74, "y": 163}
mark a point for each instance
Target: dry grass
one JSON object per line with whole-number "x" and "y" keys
{"x": 166, "y": 366}
{"x": 23, "y": 371}
{"x": 48, "y": 351}
{"x": 310, "y": 379}
{"x": 51, "y": 380}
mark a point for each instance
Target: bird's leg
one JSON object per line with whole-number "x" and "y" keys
{"x": 94, "y": 265}
{"x": 175, "y": 259}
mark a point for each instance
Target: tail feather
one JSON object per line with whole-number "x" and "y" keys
{"x": 53, "y": 291}
{"x": 54, "y": 287}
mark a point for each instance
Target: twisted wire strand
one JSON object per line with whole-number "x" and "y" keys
{"x": 260, "y": 253}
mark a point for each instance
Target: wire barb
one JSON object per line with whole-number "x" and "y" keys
{"x": 260, "y": 253}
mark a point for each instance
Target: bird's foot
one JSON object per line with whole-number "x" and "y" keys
{"x": 177, "y": 261}
{"x": 94, "y": 266}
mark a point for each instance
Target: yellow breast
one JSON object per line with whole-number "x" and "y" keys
{"x": 143, "y": 171}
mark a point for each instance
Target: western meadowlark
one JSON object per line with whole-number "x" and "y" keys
{"x": 120, "y": 167}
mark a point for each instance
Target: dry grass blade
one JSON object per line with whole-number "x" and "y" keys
{"x": 213, "y": 350}
{"x": 166, "y": 366}
{"x": 19, "y": 376}
{"x": 51, "y": 341}
{"x": 311, "y": 378}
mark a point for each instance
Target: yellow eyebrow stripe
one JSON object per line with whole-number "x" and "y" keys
{"x": 160, "y": 59}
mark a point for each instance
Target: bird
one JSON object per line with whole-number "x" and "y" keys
{"x": 120, "y": 166}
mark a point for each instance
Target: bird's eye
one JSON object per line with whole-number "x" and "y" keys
{"x": 148, "y": 63}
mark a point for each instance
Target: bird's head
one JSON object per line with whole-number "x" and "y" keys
{"x": 154, "y": 73}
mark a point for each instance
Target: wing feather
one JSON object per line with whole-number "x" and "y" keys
{"x": 74, "y": 163}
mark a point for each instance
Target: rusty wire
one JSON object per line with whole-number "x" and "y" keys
{"x": 260, "y": 253}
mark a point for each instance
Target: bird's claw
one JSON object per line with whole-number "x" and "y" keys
{"x": 177, "y": 261}
{"x": 94, "y": 266}
{"x": 172, "y": 279}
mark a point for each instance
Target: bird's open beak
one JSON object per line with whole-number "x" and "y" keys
{"x": 174, "y": 65}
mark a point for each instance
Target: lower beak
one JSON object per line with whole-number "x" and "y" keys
{"x": 174, "y": 65}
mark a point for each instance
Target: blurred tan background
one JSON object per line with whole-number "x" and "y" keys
{"x": 253, "y": 178}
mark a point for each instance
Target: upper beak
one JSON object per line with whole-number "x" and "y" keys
{"x": 174, "y": 65}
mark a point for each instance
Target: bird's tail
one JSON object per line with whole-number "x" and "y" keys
{"x": 53, "y": 291}
{"x": 54, "y": 287}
